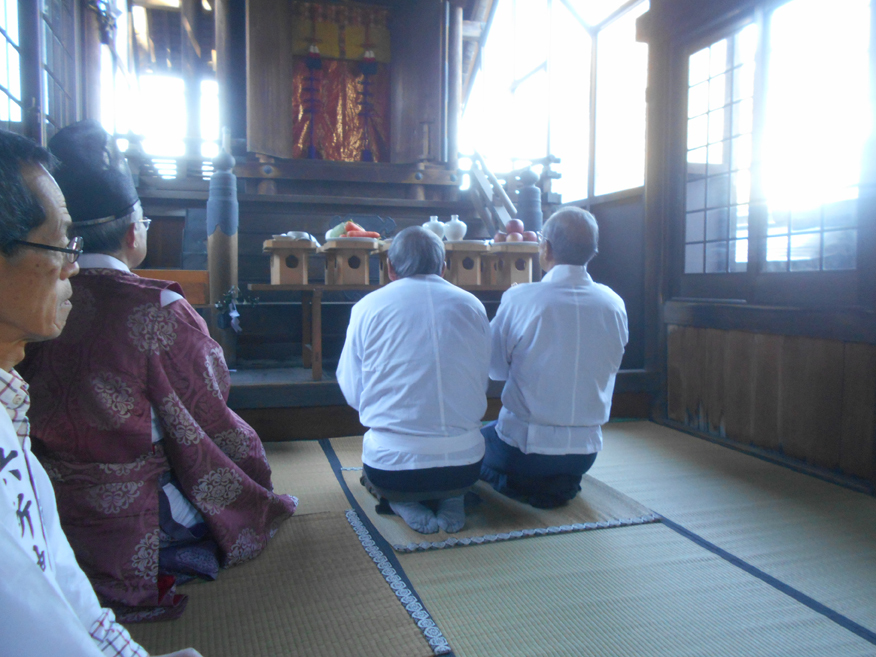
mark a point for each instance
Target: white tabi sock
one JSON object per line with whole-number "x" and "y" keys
{"x": 418, "y": 517}
{"x": 451, "y": 514}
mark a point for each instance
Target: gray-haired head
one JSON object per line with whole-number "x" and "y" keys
{"x": 573, "y": 234}
{"x": 416, "y": 251}
{"x": 20, "y": 210}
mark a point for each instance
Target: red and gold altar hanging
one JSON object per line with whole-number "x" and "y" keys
{"x": 341, "y": 82}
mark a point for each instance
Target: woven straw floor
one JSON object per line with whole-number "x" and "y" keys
{"x": 497, "y": 517}
{"x": 751, "y": 559}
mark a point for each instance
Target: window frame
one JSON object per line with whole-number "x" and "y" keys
{"x": 829, "y": 289}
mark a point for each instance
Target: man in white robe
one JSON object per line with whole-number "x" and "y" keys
{"x": 47, "y": 605}
{"x": 558, "y": 345}
{"x": 415, "y": 365}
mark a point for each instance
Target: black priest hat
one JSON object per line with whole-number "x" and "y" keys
{"x": 92, "y": 173}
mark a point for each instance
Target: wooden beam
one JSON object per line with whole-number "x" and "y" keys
{"x": 472, "y": 30}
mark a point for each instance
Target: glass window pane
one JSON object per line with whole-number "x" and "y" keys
{"x": 841, "y": 214}
{"x": 814, "y": 141}
{"x": 718, "y": 58}
{"x": 698, "y": 99}
{"x": 697, "y": 156}
{"x": 694, "y": 227}
{"x": 805, "y": 252}
{"x": 717, "y": 126}
{"x": 741, "y": 153}
{"x": 12, "y": 21}
{"x": 716, "y": 257}
{"x": 743, "y": 82}
{"x": 738, "y": 256}
{"x": 696, "y": 194}
{"x": 698, "y": 67}
{"x": 718, "y": 92}
{"x": 693, "y": 259}
{"x": 738, "y": 221}
{"x": 778, "y": 223}
{"x": 806, "y": 220}
{"x": 777, "y": 254}
{"x": 621, "y": 79}
{"x": 718, "y": 158}
{"x": 716, "y": 224}
{"x": 743, "y": 117}
{"x": 698, "y": 131}
{"x": 740, "y": 183}
{"x": 14, "y": 67}
{"x": 745, "y": 45}
{"x": 840, "y": 249}
{"x": 594, "y": 12}
{"x": 718, "y": 191}
{"x": 570, "y": 53}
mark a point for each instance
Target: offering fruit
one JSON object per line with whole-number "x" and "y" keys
{"x": 514, "y": 237}
{"x": 499, "y": 237}
{"x": 514, "y": 226}
{"x": 530, "y": 236}
{"x": 350, "y": 229}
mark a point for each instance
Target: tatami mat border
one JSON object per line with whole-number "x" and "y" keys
{"x": 526, "y": 533}
{"x": 381, "y": 553}
{"x": 799, "y": 596}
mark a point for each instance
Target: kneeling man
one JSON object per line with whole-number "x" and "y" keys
{"x": 558, "y": 345}
{"x": 415, "y": 366}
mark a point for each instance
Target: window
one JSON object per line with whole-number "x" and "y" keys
{"x": 719, "y": 127}
{"x": 58, "y": 60}
{"x": 534, "y": 94}
{"x": 778, "y": 114}
{"x": 10, "y": 67}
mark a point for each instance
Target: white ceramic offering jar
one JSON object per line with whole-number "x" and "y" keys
{"x": 435, "y": 226}
{"x": 454, "y": 230}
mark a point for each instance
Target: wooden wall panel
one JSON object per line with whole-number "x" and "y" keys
{"x": 767, "y": 384}
{"x": 269, "y": 108}
{"x": 858, "y": 448}
{"x": 675, "y": 374}
{"x": 811, "y": 400}
{"x": 738, "y": 385}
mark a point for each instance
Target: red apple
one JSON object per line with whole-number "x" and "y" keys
{"x": 514, "y": 237}
{"x": 514, "y": 226}
{"x": 530, "y": 236}
{"x": 499, "y": 237}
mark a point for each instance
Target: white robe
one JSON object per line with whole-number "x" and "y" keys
{"x": 558, "y": 345}
{"x": 52, "y": 611}
{"x": 415, "y": 365}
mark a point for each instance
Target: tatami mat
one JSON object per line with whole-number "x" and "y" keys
{"x": 815, "y": 536}
{"x": 498, "y": 518}
{"x": 313, "y": 592}
{"x": 300, "y": 468}
{"x": 631, "y": 592}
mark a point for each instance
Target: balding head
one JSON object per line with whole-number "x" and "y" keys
{"x": 573, "y": 235}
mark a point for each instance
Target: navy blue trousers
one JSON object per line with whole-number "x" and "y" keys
{"x": 542, "y": 480}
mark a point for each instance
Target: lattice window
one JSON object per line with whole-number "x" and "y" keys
{"x": 10, "y": 68}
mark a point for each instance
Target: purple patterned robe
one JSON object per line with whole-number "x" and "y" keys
{"x": 92, "y": 392}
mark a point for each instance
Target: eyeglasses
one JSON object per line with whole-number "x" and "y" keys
{"x": 145, "y": 223}
{"x": 73, "y": 250}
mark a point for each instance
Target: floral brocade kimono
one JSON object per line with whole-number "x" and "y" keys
{"x": 121, "y": 357}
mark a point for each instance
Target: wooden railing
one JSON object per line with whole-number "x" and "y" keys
{"x": 488, "y": 195}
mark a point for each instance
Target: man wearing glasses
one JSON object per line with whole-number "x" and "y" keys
{"x": 48, "y": 606}
{"x": 158, "y": 480}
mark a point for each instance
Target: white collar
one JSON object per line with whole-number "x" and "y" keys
{"x": 101, "y": 261}
{"x": 574, "y": 273}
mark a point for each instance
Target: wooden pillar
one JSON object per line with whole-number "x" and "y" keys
{"x": 90, "y": 64}
{"x": 191, "y": 74}
{"x": 222, "y": 17}
{"x": 31, "y": 34}
{"x": 222, "y": 223}
{"x": 454, "y": 82}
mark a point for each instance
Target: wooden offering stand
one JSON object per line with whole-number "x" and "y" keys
{"x": 346, "y": 260}
{"x": 383, "y": 258}
{"x": 464, "y": 262}
{"x": 510, "y": 263}
{"x": 289, "y": 260}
